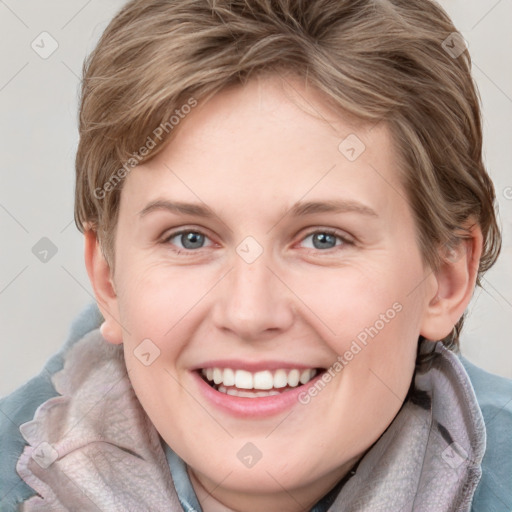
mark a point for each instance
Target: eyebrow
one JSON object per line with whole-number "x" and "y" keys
{"x": 333, "y": 206}
{"x": 197, "y": 210}
{"x": 299, "y": 209}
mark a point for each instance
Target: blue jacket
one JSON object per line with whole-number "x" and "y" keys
{"x": 493, "y": 393}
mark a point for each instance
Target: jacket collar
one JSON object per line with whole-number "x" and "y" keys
{"x": 94, "y": 448}
{"x": 429, "y": 458}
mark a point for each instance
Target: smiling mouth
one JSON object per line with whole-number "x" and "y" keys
{"x": 245, "y": 384}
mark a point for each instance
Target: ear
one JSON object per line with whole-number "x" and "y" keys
{"x": 103, "y": 286}
{"x": 454, "y": 284}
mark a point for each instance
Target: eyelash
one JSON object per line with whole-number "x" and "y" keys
{"x": 331, "y": 232}
{"x": 189, "y": 252}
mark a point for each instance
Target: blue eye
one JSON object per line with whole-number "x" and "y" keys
{"x": 189, "y": 240}
{"x": 325, "y": 240}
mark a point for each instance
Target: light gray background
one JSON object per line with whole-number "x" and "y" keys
{"x": 38, "y": 102}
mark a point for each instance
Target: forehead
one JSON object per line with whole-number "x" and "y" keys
{"x": 268, "y": 142}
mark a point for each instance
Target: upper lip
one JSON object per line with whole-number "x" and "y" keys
{"x": 253, "y": 366}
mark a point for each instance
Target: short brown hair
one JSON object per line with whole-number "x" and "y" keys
{"x": 380, "y": 60}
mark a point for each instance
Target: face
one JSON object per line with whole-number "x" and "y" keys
{"x": 259, "y": 251}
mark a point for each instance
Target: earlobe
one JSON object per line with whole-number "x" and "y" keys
{"x": 101, "y": 279}
{"x": 455, "y": 282}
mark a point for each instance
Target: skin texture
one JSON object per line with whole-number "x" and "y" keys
{"x": 249, "y": 155}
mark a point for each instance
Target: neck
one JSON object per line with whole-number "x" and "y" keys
{"x": 218, "y": 497}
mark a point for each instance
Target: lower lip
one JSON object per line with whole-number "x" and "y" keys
{"x": 253, "y": 407}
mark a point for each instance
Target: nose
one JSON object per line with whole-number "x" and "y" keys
{"x": 252, "y": 302}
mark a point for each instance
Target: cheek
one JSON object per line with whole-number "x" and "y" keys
{"x": 361, "y": 302}
{"x": 370, "y": 317}
{"x": 153, "y": 299}
{"x": 157, "y": 306}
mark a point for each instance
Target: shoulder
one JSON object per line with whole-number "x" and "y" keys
{"x": 494, "y": 396}
{"x": 20, "y": 406}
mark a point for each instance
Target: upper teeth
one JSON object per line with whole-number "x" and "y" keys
{"x": 266, "y": 379}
